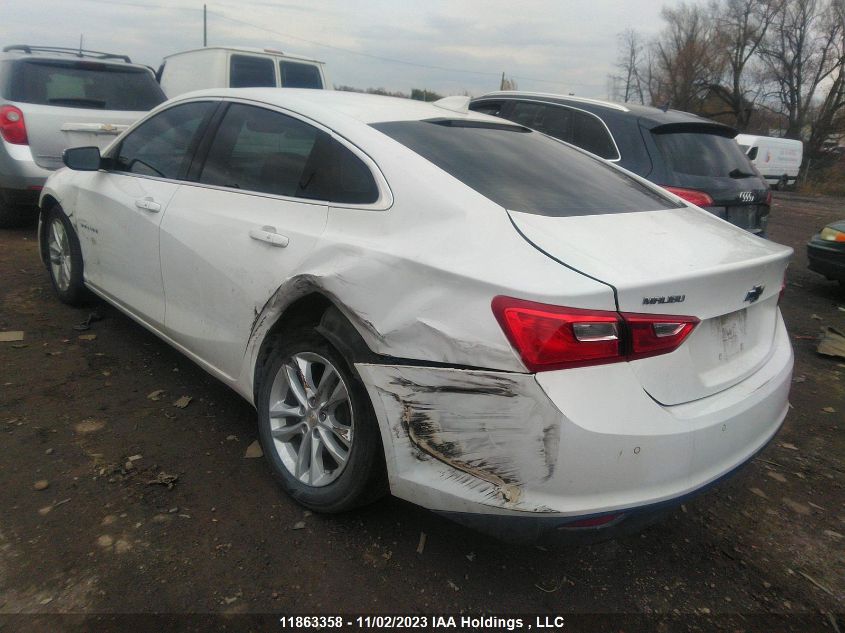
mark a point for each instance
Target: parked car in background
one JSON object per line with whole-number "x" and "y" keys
{"x": 496, "y": 325}
{"x": 777, "y": 159}
{"x": 52, "y": 98}
{"x": 826, "y": 252}
{"x": 692, "y": 157}
{"x": 238, "y": 67}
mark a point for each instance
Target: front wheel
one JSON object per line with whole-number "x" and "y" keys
{"x": 317, "y": 426}
{"x": 64, "y": 258}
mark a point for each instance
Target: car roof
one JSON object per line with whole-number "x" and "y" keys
{"x": 326, "y": 105}
{"x": 253, "y": 50}
{"x": 57, "y": 53}
{"x": 650, "y": 116}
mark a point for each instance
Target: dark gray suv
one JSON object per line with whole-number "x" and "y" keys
{"x": 694, "y": 158}
{"x": 53, "y": 98}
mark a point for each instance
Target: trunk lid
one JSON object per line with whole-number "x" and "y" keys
{"x": 52, "y": 129}
{"x": 681, "y": 262}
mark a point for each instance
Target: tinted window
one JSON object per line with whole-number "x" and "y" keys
{"x": 698, "y": 154}
{"x": 590, "y": 134}
{"x": 82, "y": 85}
{"x": 753, "y": 153}
{"x": 163, "y": 145}
{"x": 552, "y": 120}
{"x": 265, "y": 151}
{"x": 246, "y": 71}
{"x": 296, "y": 75}
{"x": 488, "y": 107}
{"x": 523, "y": 170}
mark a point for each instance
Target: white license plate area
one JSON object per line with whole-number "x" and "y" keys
{"x": 732, "y": 332}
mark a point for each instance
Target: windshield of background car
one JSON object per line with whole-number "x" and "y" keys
{"x": 82, "y": 84}
{"x": 524, "y": 170}
{"x": 699, "y": 154}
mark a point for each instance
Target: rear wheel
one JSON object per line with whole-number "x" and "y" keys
{"x": 317, "y": 426}
{"x": 64, "y": 258}
{"x": 782, "y": 183}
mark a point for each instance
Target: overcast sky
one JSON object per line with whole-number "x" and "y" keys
{"x": 446, "y": 46}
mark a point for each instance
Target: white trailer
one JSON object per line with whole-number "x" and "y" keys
{"x": 777, "y": 159}
{"x": 238, "y": 67}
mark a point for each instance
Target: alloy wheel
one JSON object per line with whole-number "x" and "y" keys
{"x": 311, "y": 420}
{"x": 58, "y": 246}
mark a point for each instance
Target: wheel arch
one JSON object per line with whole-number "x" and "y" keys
{"x": 48, "y": 201}
{"x": 311, "y": 307}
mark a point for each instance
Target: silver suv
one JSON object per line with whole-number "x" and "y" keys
{"x": 52, "y": 98}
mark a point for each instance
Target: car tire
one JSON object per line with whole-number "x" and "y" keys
{"x": 317, "y": 426}
{"x": 63, "y": 258}
{"x": 783, "y": 183}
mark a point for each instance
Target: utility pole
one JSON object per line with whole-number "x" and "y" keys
{"x": 204, "y": 26}
{"x": 502, "y": 83}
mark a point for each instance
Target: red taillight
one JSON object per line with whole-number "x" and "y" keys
{"x": 694, "y": 196}
{"x": 656, "y": 334}
{"x": 769, "y": 197}
{"x": 554, "y": 337}
{"x": 12, "y": 126}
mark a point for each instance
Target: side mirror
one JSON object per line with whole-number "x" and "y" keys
{"x": 82, "y": 158}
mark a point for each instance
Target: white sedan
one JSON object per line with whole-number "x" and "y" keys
{"x": 421, "y": 299}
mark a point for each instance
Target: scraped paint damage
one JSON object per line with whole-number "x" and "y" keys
{"x": 495, "y": 431}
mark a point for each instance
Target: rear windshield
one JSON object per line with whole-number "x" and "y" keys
{"x": 82, "y": 84}
{"x": 698, "y": 154}
{"x": 296, "y": 75}
{"x": 524, "y": 170}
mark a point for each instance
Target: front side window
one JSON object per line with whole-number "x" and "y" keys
{"x": 296, "y": 75}
{"x": 82, "y": 84}
{"x": 268, "y": 152}
{"x": 247, "y": 71}
{"x": 163, "y": 145}
{"x": 523, "y": 170}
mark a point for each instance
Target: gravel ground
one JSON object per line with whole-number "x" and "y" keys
{"x": 147, "y": 507}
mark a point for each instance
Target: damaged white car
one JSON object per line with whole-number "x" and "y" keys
{"x": 474, "y": 316}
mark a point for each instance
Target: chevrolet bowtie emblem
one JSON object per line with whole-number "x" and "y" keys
{"x": 754, "y": 294}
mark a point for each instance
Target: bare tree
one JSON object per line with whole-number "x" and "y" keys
{"x": 686, "y": 59}
{"x": 741, "y": 26}
{"x": 630, "y": 64}
{"x": 801, "y": 51}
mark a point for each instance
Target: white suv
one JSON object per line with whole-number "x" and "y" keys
{"x": 53, "y": 98}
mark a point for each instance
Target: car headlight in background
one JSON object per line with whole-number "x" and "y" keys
{"x": 832, "y": 235}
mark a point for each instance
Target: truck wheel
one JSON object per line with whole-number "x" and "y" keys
{"x": 782, "y": 183}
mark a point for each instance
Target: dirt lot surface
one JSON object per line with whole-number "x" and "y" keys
{"x": 149, "y": 507}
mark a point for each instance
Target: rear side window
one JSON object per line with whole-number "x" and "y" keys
{"x": 296, "y": 75}
{"x": 523, "y": 170}
{"x": 268, "y": 152}
{"x": 163, "y": 145}
{"x": 701, "y": 154}
{"x": 493, "y": 108}
{"x": 589, "y": 133}
{"x": 246, "y": 71}
{"x": 552, "y": 120}
{"x": 82, "y": 84}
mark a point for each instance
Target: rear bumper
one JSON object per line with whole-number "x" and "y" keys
{"x": 19, "y": 174}
{"x": 826, "y": 258}
{"x": 522, "y": 455}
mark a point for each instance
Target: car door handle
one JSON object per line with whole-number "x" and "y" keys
{"x": 148, "y": 204}
{"x": 268, "y": 234}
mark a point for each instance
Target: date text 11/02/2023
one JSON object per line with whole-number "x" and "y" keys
{"x": 446, "y": 622}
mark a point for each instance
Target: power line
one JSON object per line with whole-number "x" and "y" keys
{"x": 392, "y": 60}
